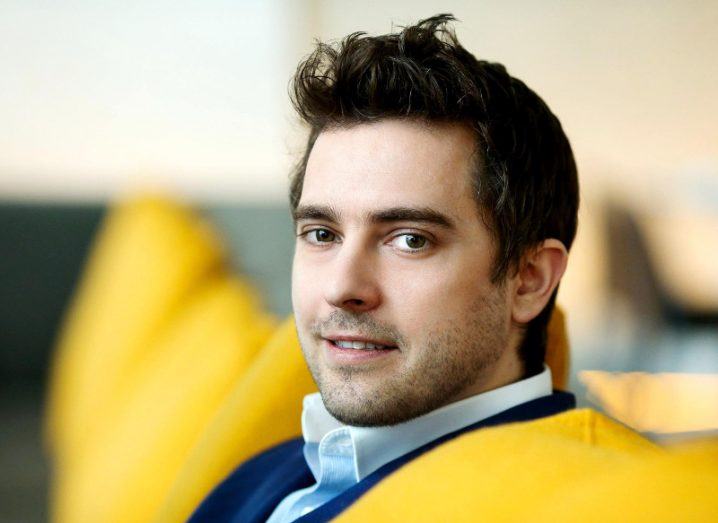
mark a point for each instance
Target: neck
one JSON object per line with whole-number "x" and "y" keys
{"x": 506, "y": 370}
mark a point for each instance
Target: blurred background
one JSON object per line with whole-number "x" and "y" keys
{"x": 102, "y": 99}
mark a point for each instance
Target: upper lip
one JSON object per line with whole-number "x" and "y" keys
{"x": 355, "y": 337}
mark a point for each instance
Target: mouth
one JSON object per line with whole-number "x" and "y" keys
{"x": 360, "y": 345}
{"x": 355, "y": 352}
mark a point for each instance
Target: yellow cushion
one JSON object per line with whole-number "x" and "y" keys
{"x": 263, "y": 409}
{"x": 679, "y": 485}
{"x": 575, "y": 466}
{"x": 149, "y": 256}
{"x": 497, "y": 473}
{"x": 157, "y": 337}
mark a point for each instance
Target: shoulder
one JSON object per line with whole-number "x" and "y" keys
{"x": 267, "y": 469}
{"x": 263, "y": 463}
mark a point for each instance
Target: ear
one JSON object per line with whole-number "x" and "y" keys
{"x": 537, "y": 278}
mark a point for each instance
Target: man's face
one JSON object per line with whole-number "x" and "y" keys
{"x": 391, "y": 250}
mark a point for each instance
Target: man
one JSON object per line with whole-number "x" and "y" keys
{"x": 434, "y": 209}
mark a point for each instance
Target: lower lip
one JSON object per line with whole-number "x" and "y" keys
{"x": 355, "y": 356}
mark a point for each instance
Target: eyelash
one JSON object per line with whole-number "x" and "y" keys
{"x": 305, "y": 236}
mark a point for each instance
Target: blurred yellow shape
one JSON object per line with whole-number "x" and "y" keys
{"x": 660, "y": 403}
{"x": 507, "y": 473}
{"x": 158, "y": 336}
{"x": 263, "y": 409}
{"x": 148, "y": 258}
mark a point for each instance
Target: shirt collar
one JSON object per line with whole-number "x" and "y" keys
{"x": 376, "y": 446}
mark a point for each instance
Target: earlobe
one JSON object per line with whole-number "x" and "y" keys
{"x": 537, "y": 278}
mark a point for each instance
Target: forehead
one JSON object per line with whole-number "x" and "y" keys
{"x": 393, "y": 163}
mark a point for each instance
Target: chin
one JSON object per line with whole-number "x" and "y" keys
{"x": 360, "y": 416}
{"x": 365, "y": 406}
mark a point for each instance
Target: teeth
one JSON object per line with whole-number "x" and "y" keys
{"x": 357, "y": 345}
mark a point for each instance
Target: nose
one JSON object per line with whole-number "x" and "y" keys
{"x": 353, "y": 283}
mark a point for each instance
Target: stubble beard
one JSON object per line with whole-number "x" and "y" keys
{"x": 453, "y": 357}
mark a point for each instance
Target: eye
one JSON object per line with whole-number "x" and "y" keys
{"x": 410, "y": 242}
{"x": 318, "y": 236}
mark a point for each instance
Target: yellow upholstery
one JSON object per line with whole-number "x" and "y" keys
{"x": 679, "y": 485}
{"x": 502, "y": 473}
{"x": 575, "y": 466}
{"x": 263, "y": 409}
{"x": 169, "y": 374}
{"x": 157, "y": 337}
{"x": 148, "y": 259}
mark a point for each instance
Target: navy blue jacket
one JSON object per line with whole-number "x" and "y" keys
{"x": 255, "y": 488}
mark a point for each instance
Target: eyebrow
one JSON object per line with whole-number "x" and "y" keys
{"x": 392, "y": 214}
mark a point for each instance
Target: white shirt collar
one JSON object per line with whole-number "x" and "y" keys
{"x": 376, "y": 446}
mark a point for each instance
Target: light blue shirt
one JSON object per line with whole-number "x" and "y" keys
{"x": 340, "y": 456}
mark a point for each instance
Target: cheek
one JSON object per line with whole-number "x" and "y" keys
{"x": 306, "y": 288}
{"x": 425, "y": 296}
{"x": 299, "y": 294}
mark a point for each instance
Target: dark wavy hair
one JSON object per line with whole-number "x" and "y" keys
{"x": 526, "y": 184}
